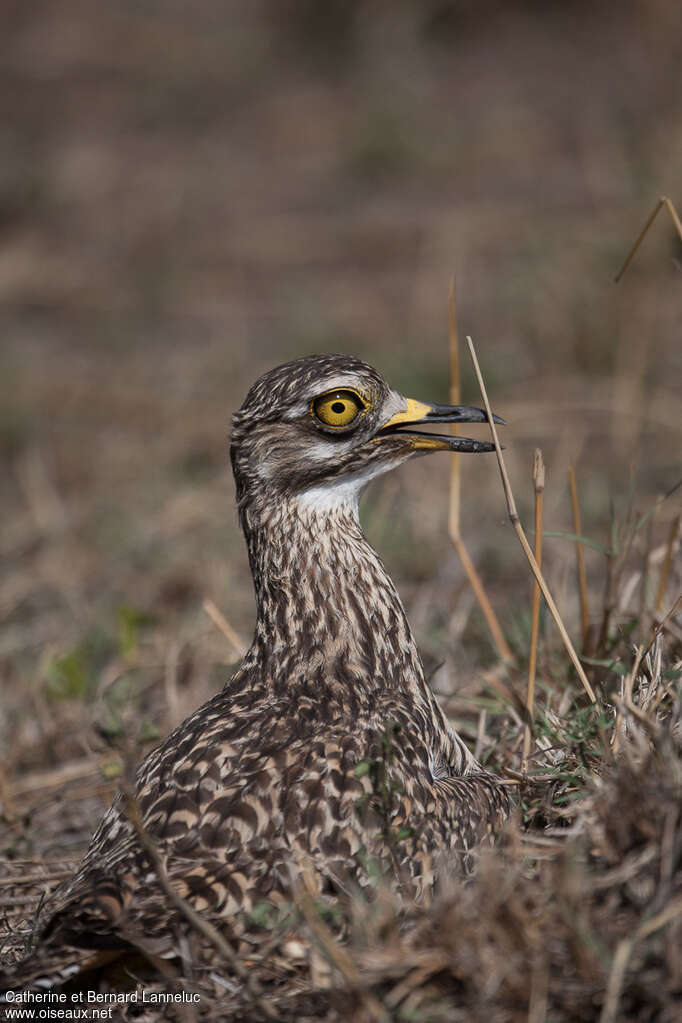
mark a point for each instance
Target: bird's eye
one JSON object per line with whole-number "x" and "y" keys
{"x": 338, "y": 409}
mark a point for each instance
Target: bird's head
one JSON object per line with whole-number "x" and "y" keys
{"x": 319, "y": 428}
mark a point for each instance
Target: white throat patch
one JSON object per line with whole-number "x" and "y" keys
{"x": 336, "y": 495}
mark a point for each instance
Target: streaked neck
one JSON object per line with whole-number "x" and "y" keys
{"x": 327, "y": 609}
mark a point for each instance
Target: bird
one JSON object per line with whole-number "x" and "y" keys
{"x": 326, "y": 752}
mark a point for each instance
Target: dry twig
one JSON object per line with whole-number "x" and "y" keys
{"x": 539, "y": 485}
{"x": 580, "y": 560}
{"x": 667, "y": 562}
{"x": 335, "y": 953}
{"x": 663, "y": 201}
{"x": 219, "y": 619}
{"x": 622, "y": 955}
{"x": 518, "y": 528}
{"x": 455, "y": 487}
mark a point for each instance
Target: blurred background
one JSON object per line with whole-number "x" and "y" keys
{"x": 193, "y": 193}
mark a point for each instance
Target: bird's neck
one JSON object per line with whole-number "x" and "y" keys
{"x": 329, "y": 618}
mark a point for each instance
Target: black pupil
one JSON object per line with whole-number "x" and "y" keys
{"x": 338, "y": 407}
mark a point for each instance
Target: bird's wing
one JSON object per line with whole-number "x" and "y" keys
{"x": 238, "y": 804}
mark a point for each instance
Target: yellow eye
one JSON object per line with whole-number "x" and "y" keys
{"x": 338, "y": 409}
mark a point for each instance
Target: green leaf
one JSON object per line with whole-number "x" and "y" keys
{"x": 574, "y": 538}
{"x": 130, "y": 621}
{"x": 148, "y": 732}
{"x": 69, "y": 676}
{"x": 362, "y": 769}
{"x": 604, "y": 662}
{"x": 656, "y": 505}
{"x": 262, "y": 914}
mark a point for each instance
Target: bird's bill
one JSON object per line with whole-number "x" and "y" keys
{"x": 418, "y": 413}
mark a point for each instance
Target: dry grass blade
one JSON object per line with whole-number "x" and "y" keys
{"x": 503, "y": 648}
{"x": 455, "y": 398}
{"x": 9, "y": 807}
{"x": 649, "y": 723}
{"x": 664, "y": 620}
{"x": 480, "y": 733}
{"x": 663, "y": 201}
{"x": 667, "y": 562}
{"x": 518, "y": 528}
{"x": 537, "y": 1006}
{"x": 477, "y": 586}
{"x": 616, "y": 978}
{"x": 643, "y": 612}
{"x": 539, "y": 485}
{"x": 56, "y": 778}
{"x": 673, "y": 214}
{"x": 625, "y": 703}
{"x": 580, "y": 559}
{"x": 335, "y": 953}
{"x": 28, "y": 879}
{"x": 219, "y": 619}
{"x": 624, "y": 951}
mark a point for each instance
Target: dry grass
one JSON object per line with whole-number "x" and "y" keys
{"x": 539, "y": 487}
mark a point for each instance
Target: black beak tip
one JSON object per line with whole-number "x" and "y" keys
{"x": 460, "y": 414}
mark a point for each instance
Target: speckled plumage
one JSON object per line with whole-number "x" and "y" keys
{"x": 264, "y": 779}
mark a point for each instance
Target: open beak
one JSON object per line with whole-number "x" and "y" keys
{"x": 418, "y": 413}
